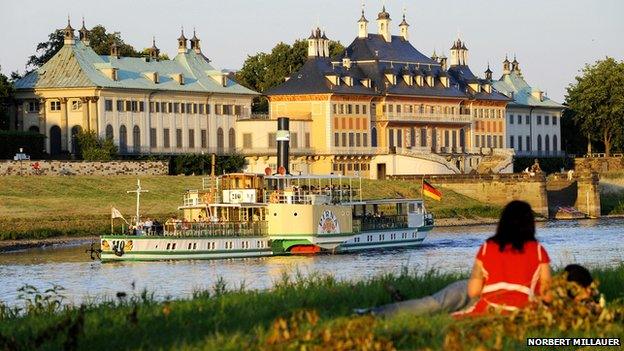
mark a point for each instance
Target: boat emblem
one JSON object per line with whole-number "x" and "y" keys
{"x": 105, "y": 245}
{"x": 328, "y": 224}
{"x": 128, "y": 245}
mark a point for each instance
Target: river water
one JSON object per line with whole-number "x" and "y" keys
{"x": 592, "y": 243}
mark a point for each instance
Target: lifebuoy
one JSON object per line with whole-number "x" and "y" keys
{"x": 207, "y": 198}
{"x": 274, "y": 198}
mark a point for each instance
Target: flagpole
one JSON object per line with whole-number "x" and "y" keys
{"x": 112, "y": 230}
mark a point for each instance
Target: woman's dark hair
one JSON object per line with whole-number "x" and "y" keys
{"x": 579, "y": 275}
{"x": 516, "y": 226}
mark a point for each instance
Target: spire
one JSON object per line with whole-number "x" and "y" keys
{"x": 506, "y": 66}
{"x": 154, "y": 51}
{"x": 84, "y": 33}
{"x": 195, "y": 43}
{"x": 434, "y": 56}
{"x": 182, "y": 42}
{"x": 363, "y": 25}
{"x": 68, "y": 33}
{"x": 515, "y": 66}
{"x": 404, "y": 26}
{"x": 488, "y": 72}
{"x": 383, "y": 24}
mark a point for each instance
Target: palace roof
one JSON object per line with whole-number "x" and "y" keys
{"x": 78, "y": 66}
{"x": 384, "y": 65}
{"x": 462, "y": 76}
{"x": 514, "y": 85}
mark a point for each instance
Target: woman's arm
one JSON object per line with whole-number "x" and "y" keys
{"x": 545, "y": 280}
{"x": 475, "y": 283}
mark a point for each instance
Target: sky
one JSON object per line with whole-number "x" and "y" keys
{"x": 552, "y": 39}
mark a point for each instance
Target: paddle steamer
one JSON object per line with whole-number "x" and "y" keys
{"x": 252, "y": 215}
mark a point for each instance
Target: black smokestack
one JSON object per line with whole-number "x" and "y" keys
{"x": 283, "y": 143}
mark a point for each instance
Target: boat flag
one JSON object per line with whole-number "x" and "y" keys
{"x": 431, "y": 191}
{"x": 116, "y": 214}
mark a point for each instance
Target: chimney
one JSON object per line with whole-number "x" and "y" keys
{"x": 283, "y": 144}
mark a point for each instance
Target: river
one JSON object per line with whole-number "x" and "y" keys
{"x": 596, "y": 243}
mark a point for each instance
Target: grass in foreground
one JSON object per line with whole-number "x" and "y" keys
{"x": 41, "y": 207}
{"x": 314, "y": 312}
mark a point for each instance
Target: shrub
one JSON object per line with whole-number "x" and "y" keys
{"x": 94, "y": 148}
{"x": 12, "y": 141}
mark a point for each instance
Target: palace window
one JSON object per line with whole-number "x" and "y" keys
{"x": 399, "y": 138}
{"x": 398, "y": 108}
{"x": 182, "y": 108}
{"x": 191, "y": 136}
{"x": 152, "y": 137}
{"x": 178, "y": 138}
{"x": 157, "y": 107}
{"x": 511, "y": 119}
{"x": 539, "y": 120}
{"x": 511, "y": 141}
{"x": 176, "y": 107}
{"x": 201, "y": 109}
{"x": 166, "y": 138}
{"x": 358, "y": 140}
{"x": 189, "y": 108}
{"x": 55, "y": 105}
{"x": 554, "y": 120}
{"x": 365, "y": 139}
{"x": 247, "y": 140}
{"x": 336, "y": 139}
{"x": 204, "y": 138}
{"x": 272, "y": 141}
{"x": 349, "y": 109}
{"x": 227, "y": 110}
{"x": 547, "y": 120}
{"x": 207, "y": 109}
{"x": 108, "y": 105}
{"x": 307, "y": 140}
{"x": 364, "y": 109}
{"x": 141, "y": 106}
{"x": 152, "y": 107}
{"x": 519, "y": 143}
{"x": 357, "y": 109}
{"x": 294, "y": 141}
{"x": 351, "y": 139}
{"x": 344, "y": 139}
{"x": 218, "y": 109}
{"x": 76, "y": 105}
{"x": 33, "y": 106}
{"x": 195, "y": 108}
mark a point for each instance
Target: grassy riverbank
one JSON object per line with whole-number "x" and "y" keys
{"x": 42, "y": 207}
{"x": 236, "y": 319}
{"x": 612, "y": 193}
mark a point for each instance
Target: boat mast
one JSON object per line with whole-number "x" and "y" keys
{"x": 138, "y": 192}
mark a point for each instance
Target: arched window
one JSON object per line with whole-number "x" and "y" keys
{"x": 109, "y": 132}
{"x": 55, "y": 140}
{"x": 136, "y": 139}
{"x": 539, "y": 143}
{"x": 391, "y": 137}
{"x": 547, "y": 143}
{"x": 33, "y": 129}
{"x": 374, "y": 137}
{"x": 75, "y": 146}
{"x": 220, "y": 140}
{"x": 462, "y": 139}
{"x": 123, "y": 139}
{"x": 555, "y": 144}
{"x": 232, "y": 138}
{"x": 413, "y": 137}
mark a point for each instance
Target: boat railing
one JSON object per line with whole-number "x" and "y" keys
{"x": 312, "y": 196}
{"x": 373, "y": 222}
{"x": 203, "y": 229}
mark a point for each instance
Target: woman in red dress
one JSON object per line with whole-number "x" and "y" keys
{"x": 512, "y": 267}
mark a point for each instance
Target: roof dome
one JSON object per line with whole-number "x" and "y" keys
{"x": 383, "y": 15}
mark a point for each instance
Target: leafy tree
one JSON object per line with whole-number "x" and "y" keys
{"x": 6, "y": 99}
{"x": 264, "y": 71}
{"x": 99, "y": 39}
{"x": 597, "y": 99}
{"x": 94, "y": 148}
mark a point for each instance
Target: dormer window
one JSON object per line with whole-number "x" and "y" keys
{"x": 445, "y": 81}
{"x": 348, "y": 81}
{"x": 420, "y": 81}
{"x": 152, "y": 76}
{"x": 430, "y": 81}
{"x": 366, "y": 82}
{"x": 476, "y": 87}
{"x": 487, "y": 88}
{"x": 178, "y": 77}
{"x": 333, "y": 78}
{"x": 391, "y": 78}
{"x": 409, "y": 80}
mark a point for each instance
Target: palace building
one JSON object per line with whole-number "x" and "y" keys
{"x": 384, "y": 108}
{"x": 533, "y": 120}
{"x": 145, "y": 104}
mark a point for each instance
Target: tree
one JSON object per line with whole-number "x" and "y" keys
{"x": 263, "y": 71}
{"x": 6, "y": 99}
{"x": 597, "y": 100}
{"x": 99, "y": 39}
{"x": 94, "y": 148}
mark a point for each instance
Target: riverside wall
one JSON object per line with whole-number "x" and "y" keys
{"x": 599, "y": 164}
{"x": 500, "y": 189}
{"x": 68, "y": 168}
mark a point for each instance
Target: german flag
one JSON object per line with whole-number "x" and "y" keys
{"x": 429, "y": 190}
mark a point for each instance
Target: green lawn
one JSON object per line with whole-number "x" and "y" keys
{"x": 315, "y": 312}
{"x": 38, "y": 207}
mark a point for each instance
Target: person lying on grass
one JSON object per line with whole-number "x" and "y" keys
{"x": 454, "y": 297}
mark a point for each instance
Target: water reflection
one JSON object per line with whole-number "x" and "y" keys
{"x": 593, "y": 243}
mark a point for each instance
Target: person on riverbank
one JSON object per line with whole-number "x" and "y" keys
{"x": 512, "y": 267}
{"x": 454, "y": 297}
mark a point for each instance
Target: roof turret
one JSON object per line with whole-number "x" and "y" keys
{"x": 383, "y": 15}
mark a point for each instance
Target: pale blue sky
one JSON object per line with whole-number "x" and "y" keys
{"x": 553, "y": 39}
